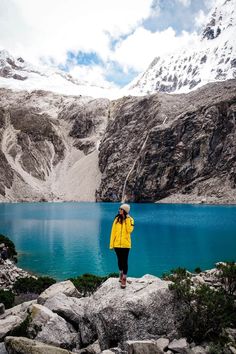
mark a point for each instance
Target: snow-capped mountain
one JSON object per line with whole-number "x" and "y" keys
{"x": 212, "y": 57}
{"x": 17, "y": 74}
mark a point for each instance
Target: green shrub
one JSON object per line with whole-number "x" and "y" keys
{"x": 44, "y": 283}
{"x": 197, "y": 270}
{"x": 209, "y": 312}
{"x": 227, "y": 276}
{"x": 113, "y": 275}
{"x": 7, "y": 298}
{"x": 205, "y": 311}
{"x": 11, "y": 247}
{"x": 22, "y": 329}
{"x": 215, "y": 348}
{"x": 89, "y": 283}
{"x": 32, "y": 285}
{"x": 178, "y": 273}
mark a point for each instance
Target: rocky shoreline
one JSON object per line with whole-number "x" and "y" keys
{"x": 142, "y": 319}
{"x": 178, "y": 198}
{"x": 9, "y": 273}
{"x": 198, "y": 199}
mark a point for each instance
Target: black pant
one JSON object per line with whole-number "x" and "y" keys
{"x": 122, "y": 257}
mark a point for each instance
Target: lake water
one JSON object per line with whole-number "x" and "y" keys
{"x": 63, "y": 240}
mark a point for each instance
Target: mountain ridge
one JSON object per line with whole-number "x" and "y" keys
{"x": 17, "y": 74}
{"x": 211, "y": 57}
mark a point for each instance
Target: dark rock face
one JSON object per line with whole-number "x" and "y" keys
{"x": 9, "y": 68}
{"x": 159, "y": 145}
{"x": 6, "y": 174}
{"x": 233, "y": 63}
{"x": 87, "y": 120}
{"x": 2, "y": 120}
{"x": 35, "y": 131}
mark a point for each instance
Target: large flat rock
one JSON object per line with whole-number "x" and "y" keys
{"x": 21, "y": 345}
{"x": 65, "y": 287}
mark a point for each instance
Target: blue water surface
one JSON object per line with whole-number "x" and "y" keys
{"x": 64, "y": 240}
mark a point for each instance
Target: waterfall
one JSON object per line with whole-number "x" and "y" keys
{"x": 131, "y": 170}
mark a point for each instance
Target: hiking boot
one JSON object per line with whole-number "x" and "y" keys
{"x": 121, "y": 276}
{"x": 123, "y": 282}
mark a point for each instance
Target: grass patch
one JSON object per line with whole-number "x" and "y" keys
{"x": 87, "y": 283}
{"x": 7, "y": 298}
{"x": 32, "y": 285}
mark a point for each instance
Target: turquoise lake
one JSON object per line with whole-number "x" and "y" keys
{"x": 63, "y": 240}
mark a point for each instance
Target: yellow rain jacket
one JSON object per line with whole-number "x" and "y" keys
{"x": 120, "y": 233}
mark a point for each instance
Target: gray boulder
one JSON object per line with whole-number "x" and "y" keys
{"x": 162, "y": 343}
{"x": 199, "y": 350}
{"x": 8, "y": 324}
{"x": 19, "y": 310}
{"x": 20, "y": 345}
{"x": 65, "y": 287}
{"x": 144, "y": 310}
{"x": 50, "y": 328}
{"x": 232, "y": 349}
{"x": 179, "y": 346}
{"x": 70, "y": 308}
{"x": 2, "y": 309}
{"x": 90, "y": 349}
{"x": 3, "y": 349}
{"x": 13, "y": 318}
{"x": 143, "y": 347}
{"x": 231, "y": 333}
{"x": 73, "y": 310}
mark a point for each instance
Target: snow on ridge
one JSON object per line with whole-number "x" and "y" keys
{"x": 221, "y": 18}
{"x": 17, "y": 74}
{"x": 210, "y": 57}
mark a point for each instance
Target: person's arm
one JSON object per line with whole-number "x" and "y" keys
{"x": 112, "y": 237}
{"x": 129, "y": 222}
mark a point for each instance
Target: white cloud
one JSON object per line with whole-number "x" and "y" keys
{"x": 130, "y": 52}
{"x": 185, "y": 2}
{"x": 93, "y": 74}
{"x": 200, "y": 19}
{"x": 210, "y": 4}
{"x": 51, "y": 28}
{"x": 155, "y": 8}
{"x": 47, "y": 29}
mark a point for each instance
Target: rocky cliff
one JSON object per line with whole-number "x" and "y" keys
{"x": 149, "y": 148}
{"x": 48, "y": 145}
{"x": 161, "y": 145}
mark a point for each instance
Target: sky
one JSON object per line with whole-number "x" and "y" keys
{"x": 105, "y": 42}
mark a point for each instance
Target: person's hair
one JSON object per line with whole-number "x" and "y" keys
{"x": 120, "y": 218}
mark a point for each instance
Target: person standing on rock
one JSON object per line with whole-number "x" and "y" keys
{"x": 120, "y": 240}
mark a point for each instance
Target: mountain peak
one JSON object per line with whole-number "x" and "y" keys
{"x": 211, "y": 58}
{"x": 222, "y": 17}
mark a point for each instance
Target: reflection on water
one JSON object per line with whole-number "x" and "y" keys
{"x": 67, "y": 239}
